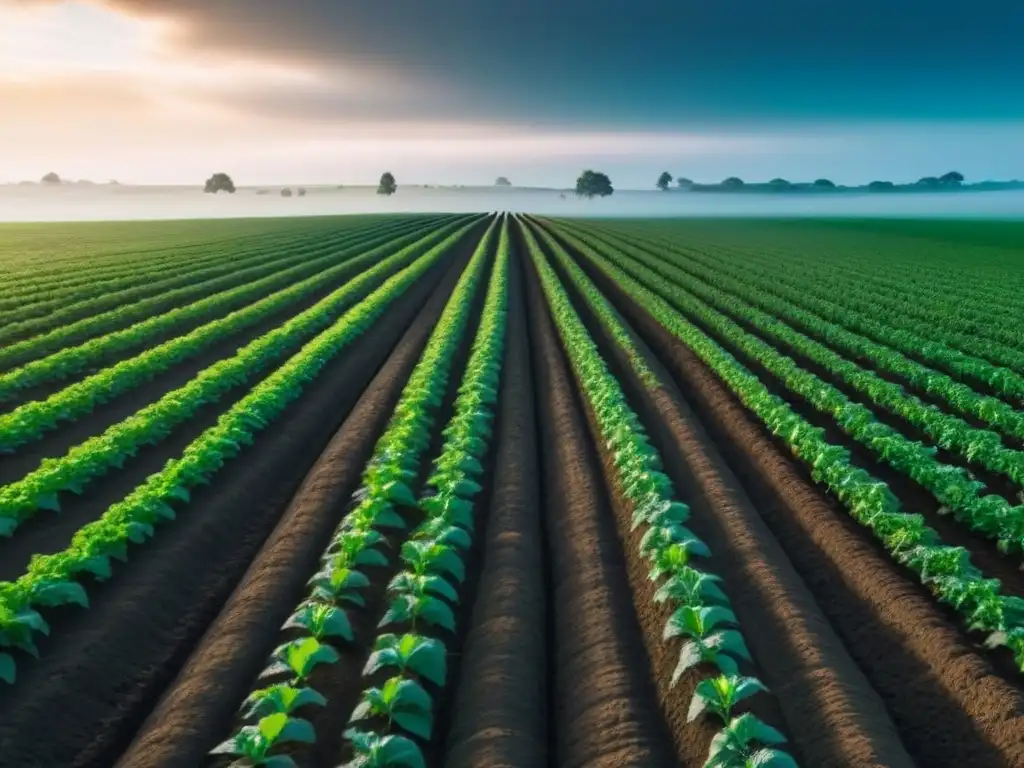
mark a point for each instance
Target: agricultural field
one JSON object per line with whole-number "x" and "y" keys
{"x": 506, "y": 491}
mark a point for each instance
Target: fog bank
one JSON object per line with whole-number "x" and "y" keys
{"x": 123, "y": 202}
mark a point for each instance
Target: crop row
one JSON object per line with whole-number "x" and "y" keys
{"x": 946, "y": 570}
{"x": 958, "y": 396}
{"x": 52, "y": 580}
{"x": 990, "y": 515}
{"x": 87, "y": 327}
{"x": 183, "y": 282}
{"x": 30, "y": 303}
{"x": 96, "y": 456}
{"x": 322, "y": 623}
{"x": 71, "y": 360}
{"x": 701, "y": 609}
{"x": 34, "y": 419}
{"x": 974, "y": 312}
{"x": 89, "y": 264}
{"x": 891, "y": 328}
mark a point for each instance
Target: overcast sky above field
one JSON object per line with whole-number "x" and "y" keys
{"x": 459, "y": 91}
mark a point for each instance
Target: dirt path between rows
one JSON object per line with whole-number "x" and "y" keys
{"x": 604, "y": 705}
{"x": 120, "y": 654}
{"x": 200, "y": 706}
{"x": 950, "y": 707}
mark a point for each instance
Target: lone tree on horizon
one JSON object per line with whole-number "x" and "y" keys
{"x": 502, "y": 181}
{"x": 733, "y": 182}
{"x": 824, "y": 184}
{"x": 387, "y": 184}
{"x": 953, "y": 177}
{"x": 593, "y": 184}
{"x": 219, "y": 182}
{"x": 51, "y": 178}
{"x": 664, "y": 180}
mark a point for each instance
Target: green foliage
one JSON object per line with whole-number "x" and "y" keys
{"x": 946, "y": 571}
{"x": 702, "y": 615}
{"x": 593, "y": 184}
{"x": 133, "y": 519}
{"x": 664, "y": 181}
{"x": 387, "y": 185}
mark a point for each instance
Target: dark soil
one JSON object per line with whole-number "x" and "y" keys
{"x": 604, "y": 707}
{"x": 500, "y": 714}
{"x": 950, "y": 707}
{"x": 121, "y": 654}
{"x": 828, "y": 705}
{"x": 198, "y": 709}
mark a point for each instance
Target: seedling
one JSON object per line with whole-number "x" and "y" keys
{"x": 254, "y": 742}
{"x": 738, "y": 745}
{"x": 280, "y": 698}
{"x": 299, "y": 657}
{"x": 423, "y": 656}
{"x": 321, "y": 620}
{"x": 372, "y": 750}
{"x": 720, "y": 694}
{"x": 401, "y": 701}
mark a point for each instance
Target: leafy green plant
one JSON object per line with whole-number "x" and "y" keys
{"x": 254, "y": 742}
{"x": 742, "y": 743}
{"x": 134, "y": 518}
{"x": 423, "y": 656}
{"x": 373, "y": 750}
{"x": 298, "y": 658}
{"x": 403, "y": 702}
{"x": 668, "y": 545}
{"x": 280, "y": 698}
{"x": 868, "y": 500}
{"x": 321, "y": 620}
{"x": 719, "y": 695}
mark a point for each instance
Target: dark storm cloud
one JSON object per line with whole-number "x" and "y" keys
{"x": 643, "y": 62}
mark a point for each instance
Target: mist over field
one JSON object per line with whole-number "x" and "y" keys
{"x": 123, "y": 202}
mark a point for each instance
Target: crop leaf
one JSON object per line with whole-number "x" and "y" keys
{"x": 55, "y": 593}
{"x": 280, "y": 698}
{"x": 403, "y": 702}
{"x": 375, "y": 751}
{"x": 299, "y": 657}
{"x": 424, "y": 656}
{"x": 409, "y": 608}
{"x": 720, "y": 694}
{"x": 322, "y": 620}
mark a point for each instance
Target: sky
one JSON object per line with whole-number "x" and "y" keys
{"x": 461, "y": 91}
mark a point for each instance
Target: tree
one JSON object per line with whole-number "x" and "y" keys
{"x": 220, "y": 182}
{"x": 824, "y": 184}
{"x": 931, "y": 182}
{"x": 502, "y": 181}
{"x": 664, "y": 180}
{"x": 881, "y": 186}
{"x": 953, "y": 177}
{"x": 733, "y": 183}
{"x": 593, "y": 184}
{"x": 780, "y": 183}
{"x": 51, "y": 178}
{"x": 387, "y": 184}
{"x": 683, "y": 182}
{"x": 286, "y": 192}
{"x": 302, "y": 191}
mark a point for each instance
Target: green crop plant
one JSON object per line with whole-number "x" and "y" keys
{"x": 908, "y": 539}
{"x": 134, "y": 518}
{"x": 218, "y": 315}
{"x": 702, "y": 615}
{"x": 358, "y": 544}
{"x": 423, "y": 594}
